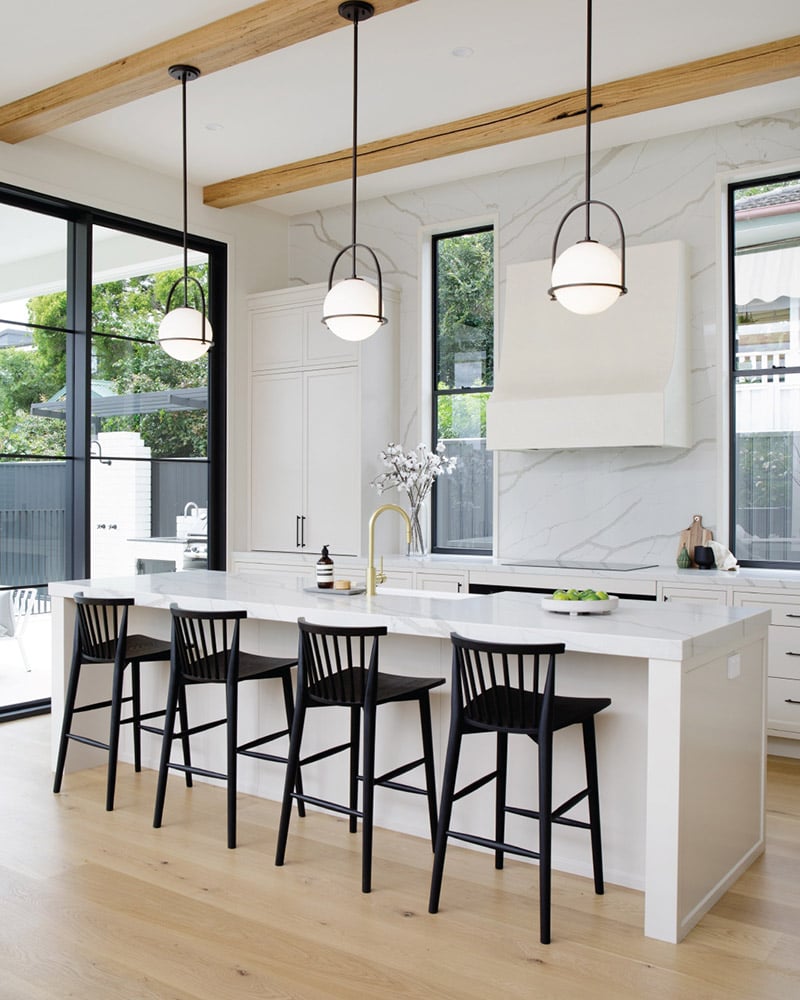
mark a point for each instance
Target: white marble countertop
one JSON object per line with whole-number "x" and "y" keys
{"x": 636, "y": 628}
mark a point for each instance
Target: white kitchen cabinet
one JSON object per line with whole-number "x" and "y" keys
{"x": 783, "y": 660}
{"x": 710, "y": 595}
{"x": 321, "y": 409}
{"x": 456, "y": 583}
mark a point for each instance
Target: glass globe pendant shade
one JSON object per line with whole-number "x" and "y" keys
{"x": 185, "y": 334}
{"x": 587, "y": 278}
{"x": 351, "y": 309}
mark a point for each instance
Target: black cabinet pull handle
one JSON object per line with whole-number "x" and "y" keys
{"x": 792, "y": 701}
{"x": 789, "y": 652}
{"x": 790, "y": 614}
{"x": 297, "y": 531}
{"x": 302, "y": 531}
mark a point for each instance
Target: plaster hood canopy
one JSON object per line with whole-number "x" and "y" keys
{"x": 608, "y": 380}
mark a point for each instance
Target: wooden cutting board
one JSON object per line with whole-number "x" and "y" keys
{"x": 695, "y": 534}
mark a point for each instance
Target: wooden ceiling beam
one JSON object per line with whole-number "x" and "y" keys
{"x": 750, "y": 67}
{"x": 247, "y": 34}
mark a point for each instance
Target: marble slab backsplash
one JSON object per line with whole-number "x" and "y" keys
{"x": 626, "y": 504}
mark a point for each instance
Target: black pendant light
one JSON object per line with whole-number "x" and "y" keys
{"x": 588, "y": 277}
{"x": 353, "y": 308}
{"x": 185, "y": 332}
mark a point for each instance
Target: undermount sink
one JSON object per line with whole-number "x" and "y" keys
{"x": 436, "y": 595}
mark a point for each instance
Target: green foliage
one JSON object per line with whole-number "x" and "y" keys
{"x": 129, "y": 308}
{"x": 465, "y": 309}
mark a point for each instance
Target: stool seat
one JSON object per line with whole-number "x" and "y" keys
{"x": 338, "y": 667}
{"x": 509, "y": 690}
{"x": 101, "y": 636}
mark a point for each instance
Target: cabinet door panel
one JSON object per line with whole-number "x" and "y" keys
{"x": 784, "y": 652}
{"x": 694, "y": 594}
{"x": 321, "y": 346}
{"x": 783, "y": 707}
{"x": 276, "y": 339}
{"x": 276, "y": 451}
{"x": 333, "y": 467}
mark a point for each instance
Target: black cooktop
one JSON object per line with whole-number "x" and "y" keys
{"x": 612, "y": 567}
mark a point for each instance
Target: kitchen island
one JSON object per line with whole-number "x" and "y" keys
{"x": 681, "y": 749}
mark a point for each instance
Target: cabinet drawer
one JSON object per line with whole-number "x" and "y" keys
{"x": 710, "y": 595}
{"x": 785, "y": 609}
{"x": 784, "y": 652}
{"x": 783, "y": 707}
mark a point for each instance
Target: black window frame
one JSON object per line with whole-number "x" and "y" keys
{"x": 437, "y": 393}
{"x": 734, "y": 374}
{"x": 80, "y": 221}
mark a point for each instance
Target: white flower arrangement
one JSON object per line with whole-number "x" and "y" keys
{"x": 413, "y": 472}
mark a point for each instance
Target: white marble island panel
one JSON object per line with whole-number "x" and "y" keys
{"x": 681, "y": 749}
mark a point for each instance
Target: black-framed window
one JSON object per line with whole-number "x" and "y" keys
{"x": 463, "y": 377}
{"x": 764, "y": 310}
{"x": 103, "y": 380}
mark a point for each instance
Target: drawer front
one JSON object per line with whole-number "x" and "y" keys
{"x": 785, "y": 610}
{"x": 784, "y": 652}
{"x": 783, "y": 707}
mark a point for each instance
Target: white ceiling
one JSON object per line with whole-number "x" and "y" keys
{"x": 295, "y": 103}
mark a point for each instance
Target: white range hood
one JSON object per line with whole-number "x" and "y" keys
{"x": 613, "y": 379}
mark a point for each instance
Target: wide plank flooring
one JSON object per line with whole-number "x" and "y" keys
{"x": 101, "y": 906}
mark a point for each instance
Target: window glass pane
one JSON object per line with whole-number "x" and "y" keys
{"x": 464, "y": 310}
{"x": 32, "y": 360}
{"x": 463, "y": 362}
{"x": 766, "y": 403}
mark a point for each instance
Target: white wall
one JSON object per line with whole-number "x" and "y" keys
{"x": 625, "y": 504}
{"x": 256, "y": 238}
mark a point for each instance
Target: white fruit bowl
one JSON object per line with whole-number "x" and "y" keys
{"x": 580, "y": 607}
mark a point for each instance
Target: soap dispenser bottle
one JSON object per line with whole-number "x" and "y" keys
{"x": 325, "y": 570}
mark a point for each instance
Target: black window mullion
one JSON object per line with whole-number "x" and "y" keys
{"x": 78, "y": 410}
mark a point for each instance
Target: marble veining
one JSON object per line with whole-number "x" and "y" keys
{"x": 627, "y": 503}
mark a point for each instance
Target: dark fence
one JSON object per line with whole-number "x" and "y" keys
{"x": 33, "y": 514}
{"x": 464, "y": 498}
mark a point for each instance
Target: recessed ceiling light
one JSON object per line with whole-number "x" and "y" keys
{"x": 463, "y": 52}
{"x": 214, "y": 127}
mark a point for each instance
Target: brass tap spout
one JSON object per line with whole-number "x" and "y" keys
{"x": 373, "y": 576}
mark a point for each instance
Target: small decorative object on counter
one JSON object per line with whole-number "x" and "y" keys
{"x": 704, "y": 557}
{"x": 414, "y": 472}
{"x": 325, "y": 570}
{"x": 684, "y": 559}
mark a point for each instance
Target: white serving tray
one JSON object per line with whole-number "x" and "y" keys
{"x": 580, "y": 607}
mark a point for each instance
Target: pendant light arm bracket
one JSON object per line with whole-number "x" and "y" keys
{"x": 587, "y": 205}
{"x": 354, "y": 247}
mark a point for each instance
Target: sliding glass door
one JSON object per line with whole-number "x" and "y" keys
{"x": 108, "y": 446}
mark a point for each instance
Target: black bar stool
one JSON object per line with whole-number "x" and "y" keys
{"x": 205, "y": 650}
{"x": 101, "y": 636}
{"x": 339, "y": 667}
{"x": 496, "y": 689}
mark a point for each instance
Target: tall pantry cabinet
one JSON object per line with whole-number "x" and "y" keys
{"x": 321, "y": 409}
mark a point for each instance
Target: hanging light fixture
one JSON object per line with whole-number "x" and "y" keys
{"x": 588, "y": 277}
{"x": 185, "y": 333}
{"x": 353, "y": 308}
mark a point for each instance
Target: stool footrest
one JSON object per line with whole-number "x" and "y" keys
{"x": 494, "y": 845}
{"x": 87, "y": 740}
{"x": 324, "y": 753}
{"x": 261, "y": 740}
{"x": 473, "y": 786}
{"x": 326, "y": 804}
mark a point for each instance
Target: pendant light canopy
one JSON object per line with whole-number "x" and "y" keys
{"x": 185, "y": 333}
{"x": 353, "y": 308}
{"x": 588, "y": 277}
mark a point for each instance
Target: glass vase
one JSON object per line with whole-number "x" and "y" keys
{"x": 418, "y": 546}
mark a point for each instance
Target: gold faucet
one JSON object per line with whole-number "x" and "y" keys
{"x": 374, "y": 576}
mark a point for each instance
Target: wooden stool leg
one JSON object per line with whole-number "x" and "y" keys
{"x": 430, "y": 770}
{"x": 445, "y": 811}
{"x": 290, "y": 781}
{"x": 136, "y": 715}
{"x": 500, "y": 785}
{"x": 355, "y": 748}
{"x": 175, "y": 693}
{"x": 66, "y": 724}
{"x": 368, "y": 794}
{"x": 113, "y": 735}
{"x": 590, "y": 754}
{"x": 232, "y": 729}
{"x": 288, "y": 702}
{"x": 545, "y": 835}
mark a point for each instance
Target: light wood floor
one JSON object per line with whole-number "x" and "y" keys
{"x": 101, "y": 906}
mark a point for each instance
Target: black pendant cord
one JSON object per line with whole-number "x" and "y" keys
{"x": 354, "y": 182}
{"x": 588, "y": 163}
{"x": 185, "y": 197}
